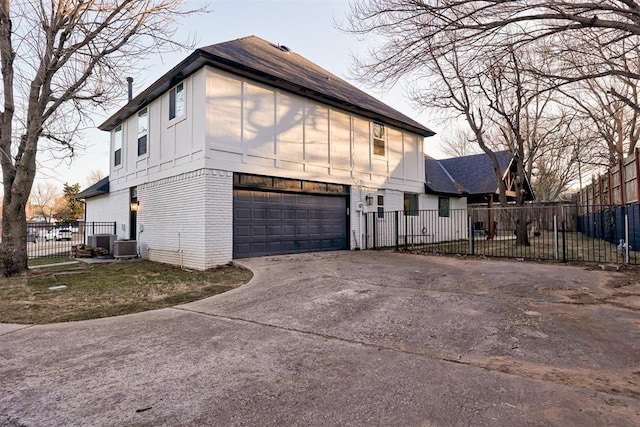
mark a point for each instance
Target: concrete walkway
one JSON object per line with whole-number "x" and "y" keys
{"x": 346, "y": 338}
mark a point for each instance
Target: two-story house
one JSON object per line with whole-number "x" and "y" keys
{"x": 245, "y": 148}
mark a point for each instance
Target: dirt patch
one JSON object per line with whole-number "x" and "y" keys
{"x": 624, "y": 383}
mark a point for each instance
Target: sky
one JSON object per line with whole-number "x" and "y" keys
{"x": 308, "y": 27}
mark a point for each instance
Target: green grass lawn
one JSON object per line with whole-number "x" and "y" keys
{"x": 108, "y": 289}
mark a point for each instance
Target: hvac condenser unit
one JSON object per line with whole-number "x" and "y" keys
{"x": 102, "y": 241}
{"x": 125, "y": 249}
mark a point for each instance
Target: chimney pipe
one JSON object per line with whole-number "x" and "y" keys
{"x": 130, "y": 87}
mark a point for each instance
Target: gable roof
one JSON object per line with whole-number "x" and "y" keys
{"x": 99, "y": 188}
{"x": 277, "y": 66}
{"x": 466, "y": 175}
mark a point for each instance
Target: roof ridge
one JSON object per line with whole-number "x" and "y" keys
{"x": 456, "y": 183}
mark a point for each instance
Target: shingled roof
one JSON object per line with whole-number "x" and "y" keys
{"x": 466, "y": 175}
{"x": 277, "y": 66}
{"x": 99, "y": 188}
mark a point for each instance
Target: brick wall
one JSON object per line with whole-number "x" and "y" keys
{"x": 187, "y": 219}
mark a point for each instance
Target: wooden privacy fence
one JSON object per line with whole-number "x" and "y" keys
{"x": 619, "y": 186}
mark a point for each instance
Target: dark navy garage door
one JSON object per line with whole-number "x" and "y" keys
{"x": 271, "y": 223}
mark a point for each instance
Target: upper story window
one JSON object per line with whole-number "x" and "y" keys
{"x": 117, "y": 146}
{"x": 143, "y": 131}
{"x": 176, "y": 101}
{"x": 379, "y": 139}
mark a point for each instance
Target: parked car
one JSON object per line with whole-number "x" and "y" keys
{"x": 58, "y": 234}
{"x": 32, "y": 235}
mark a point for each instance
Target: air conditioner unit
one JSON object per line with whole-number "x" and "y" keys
{"x": 102, "y": 241}
{"x": 125, "y": 249}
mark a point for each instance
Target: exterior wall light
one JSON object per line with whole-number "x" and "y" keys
{"x": 369, "y": 199}
{"x": 135, "y": 205}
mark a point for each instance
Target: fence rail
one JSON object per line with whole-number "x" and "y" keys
{"x": 560, "y": 233}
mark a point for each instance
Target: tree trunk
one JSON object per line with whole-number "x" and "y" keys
{"x": 13, "y": 251}
{"x": 522, "y": 235}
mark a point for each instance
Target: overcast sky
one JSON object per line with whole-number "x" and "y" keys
{"x": 308, "y": 27}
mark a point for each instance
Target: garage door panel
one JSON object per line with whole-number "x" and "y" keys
{"x": 259, "y": 214}
{"x": 243, "y": 231}
{"x": 275, "y": 214}
{"x": 270, "y": 223}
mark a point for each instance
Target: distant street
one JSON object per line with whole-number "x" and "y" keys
{"x": 42, "y": 248}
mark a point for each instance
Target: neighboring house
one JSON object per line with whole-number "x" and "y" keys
{"x": 472, "y": 180}
{"x": 247, "y": 149}
{"x": 473, "y": 177}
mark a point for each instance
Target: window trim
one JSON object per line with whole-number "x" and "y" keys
{"x": 146, "y": 132}
{"x": 118, "y": 143}
{"x": 173, "y": 98}
{"x": 379, "y": 137}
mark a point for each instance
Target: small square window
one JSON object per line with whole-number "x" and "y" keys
{"x": 443, "y": 207}
{"x": 411, "y": 204}
{"x": 176, "y": 101}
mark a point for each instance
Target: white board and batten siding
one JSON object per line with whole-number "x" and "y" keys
{"x": 173, "y": 146}
{"x": 253, "y": 128}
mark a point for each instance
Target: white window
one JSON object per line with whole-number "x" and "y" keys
{"x": 117, "y": 146}
{"x": 143, "y": 131}
{"x": 176, "y": 101}
{"x": 379, "y": 139}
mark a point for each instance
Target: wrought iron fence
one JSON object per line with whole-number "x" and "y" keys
{"x": 609, "y": 234}
{"x": 46, "y": 240}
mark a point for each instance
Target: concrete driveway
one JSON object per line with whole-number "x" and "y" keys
{"x": 347, "y": 338}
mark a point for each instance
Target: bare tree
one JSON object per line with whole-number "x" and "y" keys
{"x": 94, "y": 176}
{"x": 459, "y": 143}
{"x": 614, "y": 121}
{"x": 487, "y": 24}
{"x": 43, "y": 199}
{"x": 491, "y": 95}
{"x": 56, "y": 59}
{"x": 566, "y": 148}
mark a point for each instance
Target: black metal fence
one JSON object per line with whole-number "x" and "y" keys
{"x": 610, "y": 234}
{"x": 55, "y": 240}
